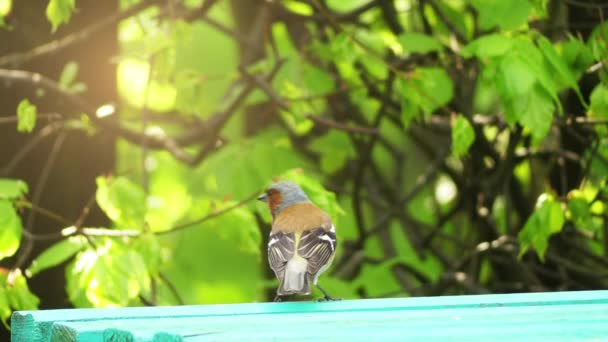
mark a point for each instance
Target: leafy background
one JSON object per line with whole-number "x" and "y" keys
{"x": 460, "y": 146}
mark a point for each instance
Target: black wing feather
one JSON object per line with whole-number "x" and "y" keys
{"x": 318, "y": 247}
{"x": 281, "y": 247}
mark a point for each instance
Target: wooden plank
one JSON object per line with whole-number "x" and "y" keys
{"x": 560, "y": 316}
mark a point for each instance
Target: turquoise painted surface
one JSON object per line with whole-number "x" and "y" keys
{"x": 559, "y": 316}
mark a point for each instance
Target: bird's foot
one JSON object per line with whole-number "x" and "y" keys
{"x": 328, "y": 299}
{"x": 277, "y": 299}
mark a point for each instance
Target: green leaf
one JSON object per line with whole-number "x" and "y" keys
{"x": 507, "y": 15}
{"x": 295, "y": 117}
{"x": 537, "y": 113}
{"x": 10, "y": 229}
{"x": 26, "y": 114}
{"x": 12, "y": 188}
{"x": 20, "y": 296}
{"x": 5, "y": 306}
{"x": 316, "y": 80}
{"x": 579, "y": 211}
{"x": 335, "y": 148}
{"x": 559, "y": 65}
{"x": 414, "y": 42}
{"x": 148, "y": 245}
{"x": 56, "y": 254}
{"x": 538, "y": 66}
{"x": 488, "y": 46}
{"x": 597, "y": 42}
{"x": 577, "y": 56}
{"x": 59, "y": 12}
{"x": 514, "y": 77}
{"x": 425, "y": 90}
{"x": 599, "y": 101}
{"x": 547, "y": 219}
{"x": 123, "y": 201}
{"x": 68, "y": 75}
{"x": 540, "y": 8}
{"x": 524, "y": 99}
{"x": 463, "y": 136}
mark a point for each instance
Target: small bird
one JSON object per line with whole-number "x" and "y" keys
{"x": 302, "y": 241}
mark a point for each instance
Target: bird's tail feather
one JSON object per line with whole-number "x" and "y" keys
{"x": 295, "y": 279}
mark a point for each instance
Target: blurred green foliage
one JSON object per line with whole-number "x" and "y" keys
{"x": 188, "y": 238}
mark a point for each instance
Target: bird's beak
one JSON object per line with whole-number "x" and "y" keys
{"x": 262, "y": 198}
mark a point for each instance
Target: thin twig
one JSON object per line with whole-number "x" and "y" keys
{"x": 27, "y": 246}
{"x": 29, "y": 146}
{"x": 342, "y": 127}
{"x": 14, "y": 118}
{"x": 76, "y": 37}
{"x": 172, "y": 288}
{"x": 23, "y": 203}
{"x": 210, "y": 216}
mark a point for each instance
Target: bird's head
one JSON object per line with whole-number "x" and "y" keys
{"x": 282, "y": 195}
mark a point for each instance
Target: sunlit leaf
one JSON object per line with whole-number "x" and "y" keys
{"x": 169, "y": 198}
{"x": 149, "y": 247}
{"x": 26, "y": 113}
{"x": 110, "y": 276}
{"x": 56, "y": 254}
{"x": 298, "y": 7}
{"x": 12, "y": 188}
{"x": 463, "y": 136}
{"x": 122, "y": 200}
{"x": 20, "y": 296}
{"x": 59, "y": 12}
{"x": 5, "y": 8}
{"x": 547, "y": 219}
{"x": 10, "y": 229}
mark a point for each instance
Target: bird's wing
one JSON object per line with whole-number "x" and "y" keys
{"x": 281, "y": 247}
{"x": 317, "y": 246}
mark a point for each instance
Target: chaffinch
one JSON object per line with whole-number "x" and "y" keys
{"x": 302, "y": 241}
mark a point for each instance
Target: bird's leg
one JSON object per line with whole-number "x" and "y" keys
{"x": 277, "y": 298}
{"x": 326, "y": 295}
